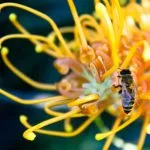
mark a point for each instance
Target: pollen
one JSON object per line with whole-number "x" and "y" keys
{"x": 4, "y": 51}
{"x": 23, "y": 118}
{"x": 30, "y": 136}
{"x": 12, "y": 17}
{"x": 68, "y": 126}
{"x": 38, "y": 48}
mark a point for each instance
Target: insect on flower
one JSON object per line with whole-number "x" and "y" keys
{"x": 127, "y": 90}
{"x": 101, "y": 43}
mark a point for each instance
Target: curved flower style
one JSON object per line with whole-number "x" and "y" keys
{"x": 114, "y": 37}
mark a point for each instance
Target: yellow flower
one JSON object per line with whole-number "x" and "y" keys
{"x": 102, "y": 43}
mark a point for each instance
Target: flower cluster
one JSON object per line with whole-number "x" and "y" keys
{"x": 114, "y": 37}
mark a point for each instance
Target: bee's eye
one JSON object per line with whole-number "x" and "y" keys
{"x": 125, "y": 71}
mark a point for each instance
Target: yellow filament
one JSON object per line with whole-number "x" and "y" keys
{"x": 63, "y": 30}
{"x": 33, "y": 37}
{"x": 93, "y": 23}
{"x": 101, "y": 136}
{"x": 67, "y": 125}
{"x": 106, "y": 2}
{"x": 136, "y": 14}
{"x": 118, "y": 20}
{"x": 131, "y": 53}
{"x": 93, "y": 34}
{"x": 145, "y": 96}
{"x": 77, "y": 131}
{"x": 116, "y": 4}
{"x": 115, "y": 17}
{"x": 77, "y": 38}
{"x": 90, "y": 34}
{"x": 102, "y": 62}
{"x": 94, "y": 71}
{"x": 109, "y": 72}
{"x": 96, "y": 2}
{"x": 146, "y": 52}
{"x": 123, "y": 2}
{"x": 69, "y": 29}
{"x": 13, "y": 19}
{"x": 148, "y": 128}
{"x": 29, "y": 135}
{"x": 66, "y": 30}
{"x": 22, "y": 76}
{"x": 107, "y": 5}
{"x": 45, "y": 17}
{"x": 24, "y": 36}
{"x": 31, "y": 101}
{"x": 112, "y": 110}
{"x": 77, "y": 21}
{"x": 143, "y": 133}
{"x": 49, "y": 52}
{"x": 51, "y": 112}
{"x": 110, "y": 138}
{"x": 84, "y": 100}
{"x": 100, "y": 8}
{"x": 52, "y": 104}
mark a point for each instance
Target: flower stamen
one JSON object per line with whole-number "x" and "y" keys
{"x": 63, "y": 134}
{"x": 19, "y": 27}
{"x": 85, "y": 99}
{"x": 22, "y": 76}
{"x": 31, "y": 101}
{"x": 130, "y": 55}
{"x": 77, "y": 21}
{"x": 110, "y": 138}
{"x": 101, "y": 136}
{"x": 29, "y": 133}
{"x": 67, "y": 125}
{"x": 49, "y": 111}
{"x": 101, "y": 10}
{"x": 45, "y": 17}
{"x": 143, "y": 133}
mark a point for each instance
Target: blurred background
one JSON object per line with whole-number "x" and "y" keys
{"x": 23, "y": 56}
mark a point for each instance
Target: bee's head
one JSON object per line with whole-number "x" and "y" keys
{"x": 125, "y": 72}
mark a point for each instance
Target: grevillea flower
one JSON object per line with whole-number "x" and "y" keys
{"x": 114, "y": 37}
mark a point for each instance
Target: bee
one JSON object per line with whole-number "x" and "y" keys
{"x": 127, "y": 90}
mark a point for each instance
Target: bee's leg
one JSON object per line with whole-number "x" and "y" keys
{"x": 118, "y": 86}
{"x": 120, "y": 91}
